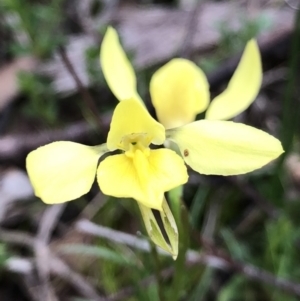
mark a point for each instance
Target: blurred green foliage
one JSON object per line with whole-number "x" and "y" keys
{"x": 37, "y": 29}
{"x": 232, "y": 40}
{"x": 92, "y": 66}
{"x": 3, "y": 254}
{"x": 36, "y": 24}
{"x": 42, "y": 103}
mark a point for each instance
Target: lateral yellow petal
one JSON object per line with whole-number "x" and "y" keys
{"x": 62, "y": 171}
{"x": 131, "y": 117}
{"x": 224, "y": 147}
{"x": 116, "y": 67}
{"x": 144, "y": 178}
{"x": 242, "y": 88}
{"x": 179, "y": 91}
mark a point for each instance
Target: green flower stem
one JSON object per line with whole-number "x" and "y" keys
{"x": 291, "y": 108}
{"x": 146, "y": 216}
{"x": 157, "y": 270}
{"x": 181, "y": 219}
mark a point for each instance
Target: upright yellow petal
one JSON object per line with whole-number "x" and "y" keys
{"x": 62, "y": 171}
{"x": 116, "y": 67}
{"x": 224, "y": 147}
{"x": 131, "y": 117}
{"x": 144, "y": 178}
{"x": 242, "y": 88}
{"x": 179, "y": 91}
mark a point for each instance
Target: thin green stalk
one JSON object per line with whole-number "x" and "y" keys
{"x": 291, "y": 108}
{"x": 181, "y": 218}
{"x": 157, "y": 271}
{"x": 179, "y": 275}
{"x": 155, "y": 257}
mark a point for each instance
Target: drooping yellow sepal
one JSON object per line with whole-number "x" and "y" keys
{"x": 63, "y": 171}
{"x": 224, "y": 147}
{"x": 131, "y": 117}
{"x": 154, "y": 231}
{"x": 179, "y": 91}
{"x": 116, "y": 67}
{"x": 242, "y": 88}
{"x": 145, "y": 176}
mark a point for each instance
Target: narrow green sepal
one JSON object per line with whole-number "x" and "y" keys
{"x": 155, "y": 232}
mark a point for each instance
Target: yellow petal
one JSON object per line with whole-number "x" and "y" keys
{"x": 131, "y": 117}
{"x": 62, "y": 171}
{"x": 242, "y": 88}
{"x": 224, "y": 147}
{"x": 116, "y": 67}
{"x": 144, "y": 178}
{"x": 179, "y": 91}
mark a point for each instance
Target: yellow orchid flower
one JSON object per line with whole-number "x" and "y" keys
{"x": 63, "y": 171}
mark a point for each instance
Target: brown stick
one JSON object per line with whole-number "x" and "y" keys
{"x": 41, "y": 249}
{"x": 86, "y": 96}
{"x": 16, "y": 147}
{"x": 185, "y": 51}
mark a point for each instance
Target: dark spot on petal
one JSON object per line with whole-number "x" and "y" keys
{"x": 185, "y": 152}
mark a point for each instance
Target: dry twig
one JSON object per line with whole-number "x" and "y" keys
{"x": 46, "y": 226}
{"x": 193, "y": 20}
{"x": 14, "y": 147}
{"x": 86, "y": 96}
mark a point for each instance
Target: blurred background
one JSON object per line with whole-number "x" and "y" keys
{"x": 240, "y": 238}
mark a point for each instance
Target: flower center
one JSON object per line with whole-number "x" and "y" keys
{"x": 133, "y": 142}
